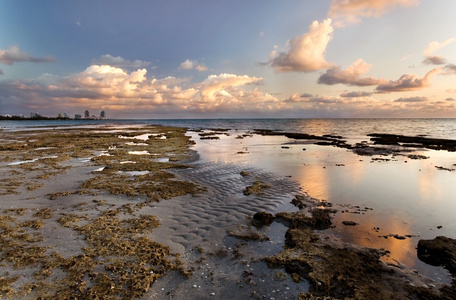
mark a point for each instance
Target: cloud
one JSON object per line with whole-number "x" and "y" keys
{"x": 450, "y": 99}
{"x": 350, "y": 76}
{"x": 412, "y": 99}
{"x": 449, "y": 69}
{"x": 434, "y": 60}
{"x": 193, "y": 64}
{"x": 13, "y": 55}
{"x": 407, "y": 82}
{"x": 433, "y": 47}
{"x": 216, "y": 85}
{"x": 306, "y": 95}
{"x": 355, "y": 94}
{"x": 351, "y": 11}
{"x": 306, "y": 53}
{"x": 120, "y": 91}
{"x": 295, "y": 98}
{"x": 120, "y": 62}
{"x": 187, "y": 65}
{"x": 1, "y": 72}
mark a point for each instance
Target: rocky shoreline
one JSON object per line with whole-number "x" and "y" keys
{"x": 101, "y": 213}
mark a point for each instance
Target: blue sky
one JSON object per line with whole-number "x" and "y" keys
{"x": 210, "y": 59}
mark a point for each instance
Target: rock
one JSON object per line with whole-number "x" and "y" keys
{"x": 320, "y": 220}
{"x": 262, "y": 218}
{"x": 247, "y": 233}
{"x": 413, "y": 141}
{"x": 349, "y": 223}
{"x": 440, "y": 251}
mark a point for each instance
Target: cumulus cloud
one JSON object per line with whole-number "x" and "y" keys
{"x": 431, "y": 59}
{"x": 120, "y": 62}
{"x": 355, "y": 94}
{"x": 407, "y": 82}
{"x": 187, "y": 65}
{"x": 193, "y": 64}
{"x": 306, "y": 53}
{"x": 351, "y": 11}
{"x": 13, "y": 55}
{"x": 352, "y": 75}
{"x": 412, "y": 99}
{"x": 116, "y": 89}
{"x": 216, "y": 85}
{"x": 450, "y": 99}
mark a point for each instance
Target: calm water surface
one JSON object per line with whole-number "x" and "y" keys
{"x": 400, "y": 196}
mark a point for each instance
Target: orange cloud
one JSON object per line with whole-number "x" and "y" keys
{"x": 113, "y": 88}
{"x": 351, "y": 11}
{"x": 306, "y": 53}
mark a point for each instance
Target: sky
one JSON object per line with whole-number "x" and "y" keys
{"x": 229, "y": 59}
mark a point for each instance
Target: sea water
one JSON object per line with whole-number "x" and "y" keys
{"x": 384, "y": 195}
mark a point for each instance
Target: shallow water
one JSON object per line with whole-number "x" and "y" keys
{"x": 401, "y": 196}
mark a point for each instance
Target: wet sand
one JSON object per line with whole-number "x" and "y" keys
{"x": 127, "y": 213}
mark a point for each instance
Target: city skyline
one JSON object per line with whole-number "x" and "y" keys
{"x": 180, "y": 59}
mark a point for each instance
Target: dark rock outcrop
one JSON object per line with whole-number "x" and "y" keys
{"x": 440, "y": 251}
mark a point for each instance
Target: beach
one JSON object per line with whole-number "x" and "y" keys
{"x": 124, "y": 212}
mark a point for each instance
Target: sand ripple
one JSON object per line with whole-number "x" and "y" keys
{"x": 189, "y": 222}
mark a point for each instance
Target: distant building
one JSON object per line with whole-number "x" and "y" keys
{"x": 86, "y": 114}
{"x": 60, "y": 116}
{"x": 77, "y": 117}
{"x": 102, "y": 114}
{"x": 66, "y": 116}
{"x": 35, "y": 115}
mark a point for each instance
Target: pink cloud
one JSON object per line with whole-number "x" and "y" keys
{"x": 355, "y": 94}
{"x": 407, "y": 82}
{"x": 352, "y": 75}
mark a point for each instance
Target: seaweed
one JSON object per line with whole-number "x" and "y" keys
{"x": 116, "y": 259}
{"x": 256, "y": 188}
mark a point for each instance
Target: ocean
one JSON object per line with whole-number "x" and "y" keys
{"x": 348, "y": 128}
{"x": 395, "y": 200}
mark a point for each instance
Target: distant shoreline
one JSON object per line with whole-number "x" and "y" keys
{"x": 19, "y": 118}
